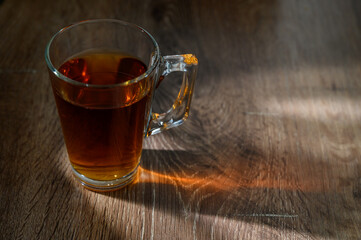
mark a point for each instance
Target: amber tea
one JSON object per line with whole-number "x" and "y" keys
{"x": 103, "y": 142}
{"x": 103, "y": 73}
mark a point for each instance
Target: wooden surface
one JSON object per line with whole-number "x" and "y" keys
{"x": 272, "y": 148}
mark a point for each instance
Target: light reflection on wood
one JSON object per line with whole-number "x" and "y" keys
{"x": 229, "y": 183}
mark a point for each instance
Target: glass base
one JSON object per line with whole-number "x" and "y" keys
{"x": 105, "y": 186}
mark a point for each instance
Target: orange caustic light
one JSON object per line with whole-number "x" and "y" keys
{"x": 228, "y": 182}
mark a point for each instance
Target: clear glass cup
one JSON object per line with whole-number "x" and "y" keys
{"x": 104, "y": 124}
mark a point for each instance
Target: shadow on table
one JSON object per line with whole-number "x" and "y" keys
{"x": 187, "y": 184}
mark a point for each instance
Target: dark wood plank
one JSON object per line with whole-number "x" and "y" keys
{"x": 271, "y": 149}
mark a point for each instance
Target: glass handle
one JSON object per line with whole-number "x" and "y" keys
{"x": 178, "y": 113}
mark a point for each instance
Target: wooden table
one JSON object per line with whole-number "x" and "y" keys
{"x": 272, "y": 148}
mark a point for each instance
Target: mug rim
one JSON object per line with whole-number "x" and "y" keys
{"x": 71, "y": 81}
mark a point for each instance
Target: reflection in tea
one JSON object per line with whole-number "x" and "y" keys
{"x": 104, "y": 141}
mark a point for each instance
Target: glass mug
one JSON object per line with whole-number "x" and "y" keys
{"x": 104, "y": 74}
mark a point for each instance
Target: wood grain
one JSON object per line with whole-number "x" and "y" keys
{"x": 271, "y": 150}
